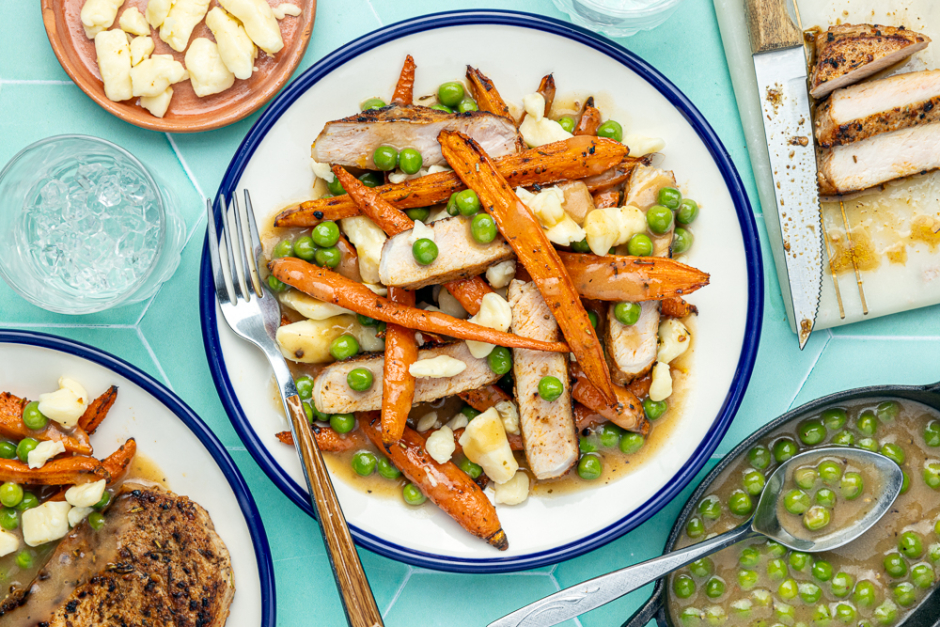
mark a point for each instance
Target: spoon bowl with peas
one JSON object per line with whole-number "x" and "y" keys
{"x": 815, "y": 501}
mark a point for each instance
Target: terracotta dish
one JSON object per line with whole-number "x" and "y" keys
{"x": 187, "y": 113}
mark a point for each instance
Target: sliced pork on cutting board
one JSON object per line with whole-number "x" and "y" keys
{"x": 848, "y": 53}
{"x": 861, "y": 111}
{"x": 548, "y": 429}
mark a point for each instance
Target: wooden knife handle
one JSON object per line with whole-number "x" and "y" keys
{"x": 770, "y": 27}
{"x": 354, "y": 590}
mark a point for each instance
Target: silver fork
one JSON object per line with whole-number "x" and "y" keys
{"x": 253, "y": 313}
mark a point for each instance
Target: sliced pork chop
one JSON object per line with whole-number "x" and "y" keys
{"x": 861, "y": 111}
{"x": 847, "y": 53}
{"x": 882, "y": 158}
{"x": 548, "y": 430}
{"x": 631, "y": 350}
{"x": 351, "y": 141}
{"x": 332, "y": 394}
{"x": 157, "y": 561}
{"x": 643, "y": 192}
{"x": 460, "y": 256}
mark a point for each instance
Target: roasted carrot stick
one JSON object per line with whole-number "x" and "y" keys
{"x": 677, "y": 307}
{"x": 640, "y": 387}
{"x": 585, "y": 418}
{"x": 404, "y": 90}
{"x": 469, "y": 292}
{"x": 485, "y": 397}
{"x": 329, "y": 440}
{"x": 12, "y": 426}
{"x": 634, "y": 279}
{"x": 446, "y": 485}
{"x": 118, "y": 462}
{"x": 626, "y": 412}
{"x": 590, "y": 119}
{"x": 607, "y": 198}
{"x": 547, "y": 90}
{"x": 575, "y": 158}
{"x": 62, "y": 471}
{"x": 527, "y": 238}
{"x": 330, "y": 287}
{"x": 98, "y": 410}
{"x": 486, "y": 94}
{"x": 349, "y": 266}
{"x": 398, "y": 384}
{"x": 616, "y": 175}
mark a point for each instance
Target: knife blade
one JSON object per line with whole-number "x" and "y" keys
{"x": 780, "y": 66}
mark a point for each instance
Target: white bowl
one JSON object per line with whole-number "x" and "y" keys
{"x": 632, "y": 16}
{"x": 515, "y": 50}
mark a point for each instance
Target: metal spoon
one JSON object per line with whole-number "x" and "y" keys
{"x": 576, "y": 600}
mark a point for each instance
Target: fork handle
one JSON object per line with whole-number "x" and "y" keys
{"x": 354, "y": 590}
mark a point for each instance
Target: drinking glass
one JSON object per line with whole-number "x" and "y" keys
{"x": 618, "y": 18}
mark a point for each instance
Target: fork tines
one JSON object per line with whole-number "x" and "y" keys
{"x": 242, "y": 249}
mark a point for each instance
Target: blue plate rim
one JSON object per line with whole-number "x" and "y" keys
{"x": 732, "y": 180}
{"x": 195, "y": 424}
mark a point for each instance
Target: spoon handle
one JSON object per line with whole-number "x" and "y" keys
{"x": 576, "y": 600}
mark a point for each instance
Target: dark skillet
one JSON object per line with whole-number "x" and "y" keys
{"x": 926, "y": 614}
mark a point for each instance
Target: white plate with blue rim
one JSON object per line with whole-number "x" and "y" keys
{"x": 515, "y": 50}
{"x": 168, "y": 433}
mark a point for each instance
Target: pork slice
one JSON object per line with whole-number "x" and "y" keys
{"x": 848, "y": 53}
{"x": 879, "y": 159}
{"x": 459, "y": 256}
{"x": 332, "y": 394}
{"x": 352, "y": 141}
{"x": 631, "y": 350}
{"x": 548, "y": 429}
{"x": 861, "y": 111}
{"x": 643, "y": 192}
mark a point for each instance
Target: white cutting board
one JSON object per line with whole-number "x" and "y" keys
{"x": 898, "y": 272}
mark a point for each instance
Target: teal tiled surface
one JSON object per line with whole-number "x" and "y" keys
{"x": 687, "y": 49}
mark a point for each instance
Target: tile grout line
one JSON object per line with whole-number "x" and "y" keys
{"x": 189, "y": 173}
{"x": 884, "y": 338}
{"x": 551, "y": 576}
{"x": 375, "y": 13}
{"x": 67, "y": 325}
{"x": 156, "y": 361}
{"x": 398, "y": 592}
{"x": 810, "y": 371}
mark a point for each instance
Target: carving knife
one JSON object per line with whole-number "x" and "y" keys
{"x": 780, "y": 64}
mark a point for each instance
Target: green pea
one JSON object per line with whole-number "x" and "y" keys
{"x": 775, "y": 549}
{"x": 24, "y": 560}
{"x": 740, "y": 503}
{"x": 469, "y": 412}
{"x": 777, "y": 569}
{"x": 283, "y": 248}
{"x": 867, "y": 423}
{"x": 788, "y": 589}
{"x": 359, "y": 379}
{"x": 834, "y": 418}
{"x": 799, "y": 560}
{"x": 336, "y": 188}
{"x": 373, "y": 103}
{"x": 886, "y": 613}
{"x": 842, "y": 584}
{"x": 328, "y": 257}
{"x": 483, "y": 228}
{"x": 468, "y": 203}
{"x": 762, "y": 597}
{"x": 275, "y": 284}
{"x": 830, "y": 472}
{"x": 500, "y": 360}
{"x": 806, "y": 477}
{"x": 590, "y": 468}
{"x": 742, "y": 608}
{"x": 843, "y": 438}
{"x": 754, "y": 482}
{"x": 702, "y": 568}
{"x": 7, "y": 450}
{"x": 372, "y": 179}
{"x": 304, "y": 387}
{"x": 822, "y": 570}
{"x": 864, "y": 594}
{"x": 385, "y": 158}
{"x": 714, "y": 587}
{"x": 690, "y": 616}
{"x": 893, "y": 452}
{"x": 812, "y": 432}
{"x": 550, "y": 388}
{"x": 654, "y": 409}
{"x": 826, "y": 498}
{"x": 784, "y": 449}
{"x": 581, "y": 247}
{"x": 640, "y": 245}
{"x": 922, "y": 576}
{"x": 364, "y": 463}
{"x": 610, "y": 130}
{"x": 749, "y": 557}
{"x": 412, "y": 495}
{"x": 909, "y": 544}
{"x": 851, "y": 486}
{"x": 933, "y": 552}
{"x": 440, "y": 107}
{"x": 845, "y": 613}
{"x": 592, "y": 316}
{"x": 659, "y": 219}
{"x": 33, "y": 418}
{"x": 96, "y": 520}
{"x": 418, "y": 213}
{"x": 710, "y": 508}
{"x": 784, "y": 613}
{"x": 682, "y": 240}
{"x": 816, "y": 518}
{"x": 304, "y": 248}
{"x": 410, "y": 161}
{"x": 474, "y": 470}
{"x": 796, "y": 502}
{"x": 716, "y": 615}
{"x": 9, "y": 519}
{"x": 29, "y": 501}
{"x": 424, "y": 251}
{"x": 687, "y": 212}
{"x": 932, "y": 433}
{"x": 609, "y": 434}
{"x": 895, "y": 565}
{"x": 567, "y": 124}
{"x": 450, "y": 94}
{"x": 10, "y": 494}
{"x": 904, "y": 594}
{"x": 325, "y": 234}
{"x": 24, "y": 447}
{"x": 869, "y": 444}
{"x": 467, "y": 105}
{"x": 759, "y": 457}
{"x": 905, "y": 482}
{"x": 627, "y": 313}
{"x": 821, "y": 615}
{"x": 669, "y": 197}
{"x": 683, "y": 586}
{"x": 451, "y": 206}
{"x": 630, "y": 443}
{"x": 887, "y": 411}
{"x": 931, "y": 474}
{"x": 936, "y": 527}
{"x": 810, "y": 592}
{"x": 342, "y": 423}
{"x": 695, "y": 528}
{"x": 344, "y": 347}
{"x": 105, "y": 499}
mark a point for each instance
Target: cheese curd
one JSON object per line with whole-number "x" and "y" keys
{"x": 548, "y": 207}
{"x": 151, "y": 77}
{"x": 46, "y": 523}
{"x": 420, "y": 231}
{"x": 237, "y": 50}
{"x": 207, "y": 72}
{"x": 43, "y": 452}
{"x": 67, "y": 404}
{"x": 494, "y": 313}
{"x": 450, "y": 305}
{"x": 509, "y": 414}
{"x": 458, "y": 422}
{"x": 98, "y": 15}
{"x": 661, "y": 386}
{"x": 565, "y": 232}
{"x": 309, "y": 307}
{"x": 440, "y": 367}
{"x": 427, "y": 421}
{"x": 674, "y": 340}
{"x": 308, "y": 341}
{"x": 141, "y": 48}
{"x": 368, "y": 240}
{"x": 86, "y": 494}
{"x": 157, "y": 105}
{"x": 514, "y": 491}
{"x": 499, "y": 275}
{"x": 183, "y": 17}
{"x": 259, "y": 21}
{"x": 640, "y": 145}
{"x": 9, "y": 543}
{"x": 440, "y": 445}
{"x": 114, "y": 64}
{"x": 78, "y": 514}
{"x": 133, "y": 22}
{"x": 605, "y": 228}
{"x": 536, "y": 129}
{"x": 283, "y": 10}
{"x": 484, "y": 442}
{"x": 157, "y": 10}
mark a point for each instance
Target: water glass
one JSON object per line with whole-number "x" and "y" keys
{"x": 618, "y": 18}
{"x": 86, "y": 226}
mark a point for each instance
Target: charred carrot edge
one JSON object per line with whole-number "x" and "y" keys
{"x": 328, "y": 440}
{"x": 626, "y": 412}
{"x": 483, "y": 398}
{"x": 330, "y": 287}
{"x": 585, "y": 418}
{"x": 486, "y": 94}
{"x": 349, "y": 266}
{"x": 616, "y": 175}
{"x": 515, "y": 441}
{"x": 590, "y": 119}
{"x": 398, "y": 384}
{"x": 12, "y": 426}
{"x": 640, "y": 387}
{"x": 574, "y": 159}
{"x": 62, "y": 471}
{"x": 606, "y": 198}
{"x": 633, "y": 279}
{"x": 404, "y": 90}
{"x": 469, "y": 292}
{"x": 547, "y": 90}
{"x": 527, "y": 238}
{"x": 677, "y": 307}
{"x": 446, "y": 485}
{"x": 98, "y": 410}
{"x": 118, "y": 462}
